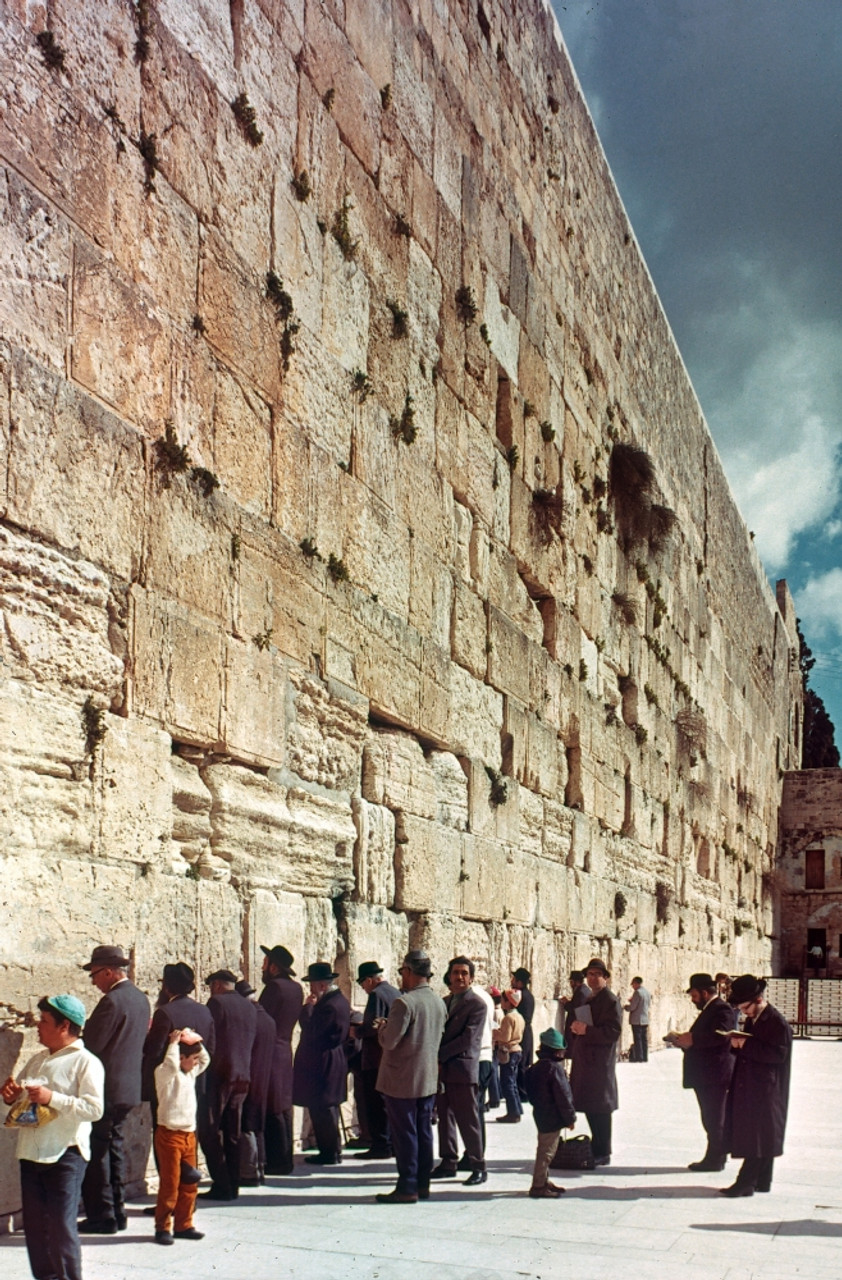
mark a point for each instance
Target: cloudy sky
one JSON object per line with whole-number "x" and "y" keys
{"x": 722, "y": 123}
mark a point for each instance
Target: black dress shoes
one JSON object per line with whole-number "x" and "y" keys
{"x": 396, "y": 1197}
{"x": 442, "y": 1171}
{"x": 478, "y": 1176}
{"x": 707, "y": 1166}
{"x": 106, "y": 1227}
{"x": 736, "y": 1190}
{"x": 601, "y": 1161}
{"x": 320, "y": 1159}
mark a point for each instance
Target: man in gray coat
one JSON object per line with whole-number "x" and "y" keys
{"x": 459, "y": 1075}
{"x": 638, "y": 1011}
{"x": 408, "y": 1077}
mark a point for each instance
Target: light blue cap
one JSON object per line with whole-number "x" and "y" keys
{"x": 69, "y": 1007}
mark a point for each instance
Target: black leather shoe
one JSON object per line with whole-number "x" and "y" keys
{"x": 373, "y": 1153}
{"x": 736, "y": 1190}
{"x": 164, "y": 1237}
{"x": 442, "y": 1171}
{"x": 464, "y": 1165}
{"x": 189, "y": 1234}
{"x": 508, "y": 1119}
{"x": 90, "y": 1227}
{"x": 706, "y": 1166}
{"x": 423, "y": 1193}
{"x": 121, "y": 1220}
{"x": 320, "y": 1159}
{"x": 601, "y": 1161}
{"x": 396, "y": 1197}
{"x": 276, "y": 1171}
{"x": 763, "y": 1189}
{"x": 213, "y": 1194}
{"x": 478, "y": 1176}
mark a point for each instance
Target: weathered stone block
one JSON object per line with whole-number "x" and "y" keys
{"x": 374, "y": 852}
{"x": 35, "y": 249}
{"x": 134, "y": 823}
{"x": 176, "y": 675}
{"x": 396, "y": 774}
{"x": 428, "y": 865}
{"x": 327, "y": 726}
{"x": 256, "y": 703}
{"x": 469, "y": 632}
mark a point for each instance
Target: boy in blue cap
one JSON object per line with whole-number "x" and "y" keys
{"x": 69, "y": 1080}
{"x": 548, "y": 1090}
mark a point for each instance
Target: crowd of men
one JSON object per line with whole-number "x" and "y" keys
{"x": 411, "y": 1053}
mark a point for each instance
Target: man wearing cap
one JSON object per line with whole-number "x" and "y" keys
{"x": 708, "y": 1065}
{"x": 408, "y": 1077}
{"x": 638, "y": 1011}
{"x": 282, "y": 998}
{"x": 521, "y": 979}
{"x": 759, "y": 1095}
{"x": 71, "y": 1081}
{"x": 381, "y": 996}
{"x": 459, "y": 1075}
{"x": 320, "y": 1069}
{"x": 220, "y": 1113}
{"x": 114, "y": 1032}
{"x": 593, "y": 1077}
{"x": 252, "y": 1146}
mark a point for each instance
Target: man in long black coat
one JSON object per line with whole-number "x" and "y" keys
{"x": 759, "y": 1096}
{"x": 381, "y": 995}
{"x": 708, "y": 1065}
{"x": 282, "y": 998}
{"x": 593, "y": 1077}
{"x": 320, "y": 1070}
{"x": 115, "y": 1032}
{"x": 175, "y": 1011}
{"x": 220, "y": 1118}
{"x": 521, "y": 979}
{"x": 252, "y": 1146}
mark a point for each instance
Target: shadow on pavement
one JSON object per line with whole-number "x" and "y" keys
{"x": 798, "y": 1227}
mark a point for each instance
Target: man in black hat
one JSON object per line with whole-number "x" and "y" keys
{"x": 320, "y": 1069}
{"x": 521, "y": 979}
{"x": 282, "y": 998}
{"x": 252, "y": 1145}
{"x": 381, "y": 995}
{"x": 114, "y": 1032}
{"x": 593, "y": 1077}
{"x": 759, "y": 1095}
{"x": 175, "y": 1011}
{"x": 220, "y": 1116}
{"x": 708, "y": 1065}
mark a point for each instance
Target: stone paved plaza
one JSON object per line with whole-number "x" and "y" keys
{"x": 644, "y": 1217}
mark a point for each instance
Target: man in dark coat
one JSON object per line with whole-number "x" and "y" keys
{"x": 459, "y": 1075}
{"x": 521, "y": 979}
{"x": 580, "y": 994}
{"x": 320, "y": 1070}
{"x": 175, "y": 1011}
{"x": 252, "y": 1146}
{"x": 114, "y": 1032}
{"x": 220, "y": 1115}
{"x": 759, "y": 1095}
{"x": 708, "y": 1065}
{"x": 282, "y": 998}
{"x": 381, "y": 995}
{"x": 593, "y": 1077}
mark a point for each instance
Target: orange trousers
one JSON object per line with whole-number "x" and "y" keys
{"x": 174, "y": 1197}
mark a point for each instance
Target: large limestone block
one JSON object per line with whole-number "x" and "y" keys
{"x": 242, "y": 444}
{"x": 476, "y": 717}
{"x": 486, "y": 875}
{"x": 374, "y": 933}
{"x": 553, "y": 896}
{"x": 191, "y": 805}
{"x": 66, "y": 451}
{"x": 430, "y": 594}
{"x": 328, "y": 723}
{"x": 316, "y": 393}
{"x": 55, "y": 620}
{"x": 356, "y": 105}
{"x": 345, "y": 306}
{"x": 508, "y": 659}
{"x": 200, "y": 922}
{"x": 428, "y": 865}
{"x": 322, "y": 940}
{"x": 121, "y": 348}
{"x": 278, "y": 594}
{"x": 256, "y": 703}
{"x": 396, "y": 773}
{"x": 469, "y": 631}
{"x": 46, "y": 800}
{"x": 388, "y": 653}
{"x": 434, "y": 711}
{"x": 492, "y": 812}
{"x": 135, "y": 819}
{"x": 451, "y": 785}
{"x": 445, "y": 936}
{"x": 188, "y": 548}
{"x": 376, "y": 550}
{"x": 35, "y": 249}
{"x": 272, "y": 919}
{"x": 177, "y": 666}
{"x": 239, "y": 321}
{"x": 374, "y": 852}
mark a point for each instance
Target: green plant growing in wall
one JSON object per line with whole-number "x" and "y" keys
{"x": 466, "y": 307}
{"x": 641, "y": 734}
{"x": 626, "y": 606}
{"x": 282, "y": 302}
{"x": 587, "y": 565}
{"x": 547, "y": 431}
{"x": 94, "y": 725}
{"x": 246, "y": 117}
{"x": 651, "y": 696}
{"x": 171, "y": 458}
{"x": 499, "y": 790}
{"x": 197, "y": 324}
{"x": 361, "y": 386}
{"x": 328, "y": 99}
{"x": 386, "y": 97}
{"x": 400, "y": 319}
{"x": 529, "y": 410}
{"x": 583, "y": 669}
{"x": 547, "y": 513}
{"x": 301, "y": 186}
{"x": 51, "y": 51}
{"x": 663, "y": 902}
{"x": 236, "y": 545}
{"x": 204, "y": 480}
{"x": 308, "y": 546}
{"x": 263, "y": 639}
{"x": 341, "y": 230}
{"x": 484, "y": 334}
{"x": 143, "y": 30}
{"x": 192, "y": 873}
{"x": 402, "y": 226}
{"x": 513, "y": 456}
{"x": 147, "y": 146}
{"x": 404, "y": 428}
{"x": 337, "y": 569}
{"x": 620, "y": 905}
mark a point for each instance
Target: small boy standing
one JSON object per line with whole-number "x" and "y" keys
{"x": 552, "y": 1109}
{"x": 175, "y": 1136}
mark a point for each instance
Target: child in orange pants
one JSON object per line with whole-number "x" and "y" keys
{"x": 175, "y": 1136}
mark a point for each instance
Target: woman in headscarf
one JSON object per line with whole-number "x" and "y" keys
{"x": 759, "y": 1094}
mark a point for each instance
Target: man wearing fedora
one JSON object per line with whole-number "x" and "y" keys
{"x": 708, "y": 1065}
{"x": 252, "y": 1146}
{"x": 320, "y": 1069}
{"x": 593, "y": 1078}
{"x": 381, "y": 996}
{"x": 115, "y": 1033}
{"x": 228, "y": 1076}
{"x": 175, "y": 1011}
{"x": 282, "y": 998}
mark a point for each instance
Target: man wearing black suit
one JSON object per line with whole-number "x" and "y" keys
{"x": 114, "y": 1032}
{"x": 252, "y": 1147}
{"x": 320, "y": 1070}
{"x": 521, "y": 979}
{"x": 282, "y": 999}
{"x": 235, "y": 1023}
{"x": 459, "y": 1075}
{"x": 381, "y": 997}
{"x": 708, "y": 1065}
{"x": 174, "y": 1012}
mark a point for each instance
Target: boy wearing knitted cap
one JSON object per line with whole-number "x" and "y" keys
{"x": 508, "y": 1041}
{"x": 175, "y": 1136}
{"x": 552, "y": 1109}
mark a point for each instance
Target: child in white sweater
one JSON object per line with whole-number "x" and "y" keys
{"x": 175, "y": 1136}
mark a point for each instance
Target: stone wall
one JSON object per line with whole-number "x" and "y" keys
{"x": 331, "y": 616}
{"x": 811, "y": 824}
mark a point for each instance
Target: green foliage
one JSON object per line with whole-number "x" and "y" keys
{"x": 93, "y": 725}
{"x": 663, "y": 902}
{"x": 328, "y": 99}
{"x": 626, "y": 605}
{"x": 513, "y": 456}
{"x": 204, "y": 480}
{"x": 246, "y": 117}
{"x": 641, "y": 734}
{"x": 547, "y": 513}
{"x": 404, "y": 428}
{"x": 147, "y": 146}
{"x": 386, "y": 97}
{"x": 402, "y": 227}
{"x": 499, "y": 792}
{"x": 51, "y": 52}
{"x": 197, "y": 324}
{"x": 236, "y": 545}
{"x": 650, "y": 695}
{"x": 529, "y": 410}
{"x": 547, "y": 431}
{"x": 143, "y": 30}
{"x": 276, "y": 293}
{"x": 361, "y": 386}
{"x": 308, "y": 546}
{"x": 620, "y": 905}
{"x": 263, "y": 639}
{"x": 819, "y": 749}
{"x": 301, "y": 186}
{"x": 341, "y": 231}
{"x": 583, "y": 669}
{"x": 337, "y": 570}
{"x": 171, "y": 458}
{"x": 484, "y": 334}
{"x": 466, "y": 307}
{"x": 400, "y": 319}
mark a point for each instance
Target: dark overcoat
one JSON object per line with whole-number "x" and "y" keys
{"x": 178, "y": 1013}
{"x": 461, "y": 1039}
{"x": 379, "y": 1002}
{"x": 526, "y": 1009}
{"x": 235, "y": 1022}
{"x": 709, "y": 1061}
{"x": 759, "y": 1094}
{"x": 320, "y": 1071}
{"x": 115, "y": 1032}
{"x": 260, "y": 1071}
{"x": 548, "y": 1089}
{"x": 593, "y": 1076}
{"x": 282, "y": 999}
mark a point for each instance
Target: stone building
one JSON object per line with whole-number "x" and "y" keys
{"x": 368, "y": 575}
{"x": 809, "y": 874}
